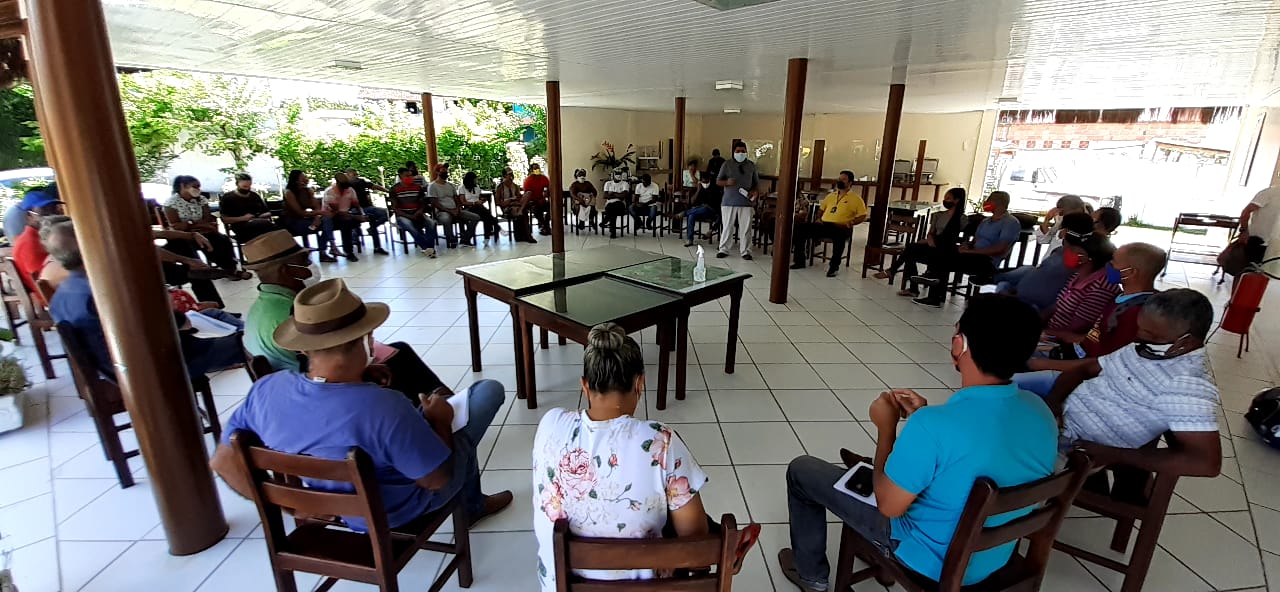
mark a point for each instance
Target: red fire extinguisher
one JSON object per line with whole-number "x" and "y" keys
{"x": 1246, "y": 303}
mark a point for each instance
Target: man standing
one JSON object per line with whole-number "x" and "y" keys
{"x": 988, "y": 428}
{"x": 444, "y": 196}
{"x": 537, "y": 192}
{"x": 28, "y": 254}
{"x": 841, "y": 211}
{"x": 420, "y": 462}
{"x": 376, "y": 216}
{"x": 1258, "y": 223}
{"x": 991, "y": 243}
{"x": 409, "y": 200}
{"x": 741, "y": 182}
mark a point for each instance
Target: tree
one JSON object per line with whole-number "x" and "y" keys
{"x": 20, "y": 144}
{"x": 226, "y": 115}
{"x": 155, "y": 110}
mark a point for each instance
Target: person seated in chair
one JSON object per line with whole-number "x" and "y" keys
{"x": 647, "y": 194}
{"x": 284, "y": 270}
{"x": 420, "y": 461}
{"x": 474, "y": 202}
{"x": 922, "y": 478}
{"x": 705, "y": 205}
{"x": 344, "y": 215}
{"x": 941, "y": 237}
{"x": 617, "y": 193}
{"x": 537, "y": 196}
{"x": 73, "y": 303}
{"x": 608, "y": 473}
{"x": 842, "y": 209}
{"x": 1049, "y": 233}
{"x": 409, "y": 200}
{"x": 29, "y": 255}
{"x": 188, "y": 210}
{"x": 1113, "y": 405}
{"x": 244, "y": 212}
{"x": 444, "y": 198}
{"x": 981, "y": 256}
{"x": 584, "y": 195}
{"x": 510, "y": 197}
{"x": 1106, "y": 220}
{"x": 375, "y": 215}
{"x": 1088, "y": 293}
{"x": 1040, "y": 284}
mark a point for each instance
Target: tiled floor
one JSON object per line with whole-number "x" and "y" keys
{"x": 807, "y": 371}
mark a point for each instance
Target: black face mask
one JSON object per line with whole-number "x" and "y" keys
{"x": 841, "y": 185}
{"x": 343, "y": 185}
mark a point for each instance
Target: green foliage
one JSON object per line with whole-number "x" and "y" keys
{"x": 226, "y": 115}
{"x": 154, "y": 110}
{"x": 13, "y": 378}
{"x": 20, "y": 145}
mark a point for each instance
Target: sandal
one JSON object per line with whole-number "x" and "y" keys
{"x": 880, "y": 275}
{"x": 909, "y": 293}
{"x": 746, "y": 540}
{"x": 241, "y": 275}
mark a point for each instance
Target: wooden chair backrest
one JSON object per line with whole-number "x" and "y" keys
{"x": 903, "y": 223}
{"x": 1050, "y": 497}
{"x": 46, "y": 289}
{"x": 712, "y": 550}
{"x": 33, "y": 308}
{"x": 101, "y": 391}
{"x": 277, "y": 482}
{"x": 258, "y": 366}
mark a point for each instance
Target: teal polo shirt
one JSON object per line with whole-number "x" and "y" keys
{"x": 1000, "y": 432}
{"x": 273, "y": 306}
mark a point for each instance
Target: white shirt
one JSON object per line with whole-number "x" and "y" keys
{"x": 469, "y": 197}
{"x": 647, "y": 193}
{"x": 615, "y": 479}
{"x": 616, "y": 187}
{"x": 1051, "y": 238}
{"x": 1262, "y": 223}
{"x": 1135, "y": 400}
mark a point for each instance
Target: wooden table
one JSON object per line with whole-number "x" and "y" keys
{"x": 1200, "y": 253}
{"x": 509, "y": 279}
{"x": 675, "y": 276}
{"x": 571, "y": 311}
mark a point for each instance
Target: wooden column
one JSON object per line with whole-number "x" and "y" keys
{"x": 677, "y": 149}
{"x": 815, "y": 171}
{"x": 555, "y": 162}
{"x": 77, "y": 85}
{"x": 884, "y": 178}
{"x": 429, "y": 128}
{"x": 788, "y": 171}
{"x": 915, "y": 185}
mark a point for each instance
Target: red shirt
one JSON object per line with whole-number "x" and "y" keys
{"x": 407, "y": 198}
{"x": 29, "y": 256}
{"x": 539, "y": 185}
{"x": 1116, "y": 329}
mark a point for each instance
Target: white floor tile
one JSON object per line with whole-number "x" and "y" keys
{"x": 117, "y": 515}
{"x": 910, "y": 376}
{"x": 771, "y": 443}
{"x": 1212, "y": 551}
{"x": 27, "y": 521}
{"x": 723, "y": 494}
{"x": 35, "y": 566}
{"x": 767, "y": 495}
{"x": 248, "y": 569}
{"x": 848, "y": 376}
{"x": 775, "y": 353}
{"x": 695, "y": 408}
{"x": 517, "y": 516}
{"x": 705, "y": 441}
{"x": 746, "y": 405}
{"x": 512, "y": 448}
{"x": 33, "y": 477}
{"x": 82, "y": 560}
{"x": 744, "y": 377}
{"x": 147, "y": 565}
{"x": 790, "y": 376}
{"x": 824, "y": 439}
{"x": 811, "y": 405}
{"x": 503, "y": 562}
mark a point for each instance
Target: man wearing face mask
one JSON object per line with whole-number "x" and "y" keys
{"x": 1112, "y": 405}
{"x": 922, "y": 476}
{"x": 705, "y": 206}
{"x": 617, "y": 192}
{"x": 584, "y": 195}
{"x": 1039, "y": 285}
{"x": 990, "y": 244}
{"x": 420, "y": 461}
{"x": 741, "y": 182}
{"x": 646, "y": 206}
{"x": 841, "y": 211}
{"x": 285, "y": 269}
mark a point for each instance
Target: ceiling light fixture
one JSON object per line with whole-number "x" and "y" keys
{"x": 1007, "y": 100}
{"x": 732, "y": 4}
{"x": 347, "y": 65}
{"x": 728, "y": 85}
{"x": 732, "y": 110}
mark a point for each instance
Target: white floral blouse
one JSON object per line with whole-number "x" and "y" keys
{"x": 188, "y": 211}
{"x": 618, "y": 478}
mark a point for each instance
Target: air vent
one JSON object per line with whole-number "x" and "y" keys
{"x": 732, "y": 4}
{"x": 728, "y": 85}
{"x": 347, "y": 65}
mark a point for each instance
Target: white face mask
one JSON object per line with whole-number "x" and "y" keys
{"x": 581, "y": 179}
{"x": 315, "y": 275}
{"x": 740, "y": 156}
{"x": 368, "y": 349}
{"x": 617, "y": 177}
{"x": 705, "y": 185}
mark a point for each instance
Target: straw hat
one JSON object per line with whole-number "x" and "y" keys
{"x": 271, "y": 248}
{"x": 329, "y": 314}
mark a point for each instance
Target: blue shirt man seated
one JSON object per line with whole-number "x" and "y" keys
{"x": 988, "y": 428}
{"x": 991, "y": 242}
{"x": 73, "y": 303}
{"x": 419, "y": 460}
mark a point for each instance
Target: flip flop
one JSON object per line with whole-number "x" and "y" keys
{"x": 746, "y": 540}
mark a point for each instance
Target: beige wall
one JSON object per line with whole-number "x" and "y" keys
{"x": 585, "y": 128}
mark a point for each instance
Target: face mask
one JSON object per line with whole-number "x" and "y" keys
{"x": 1072, "y": 260}
{"x": 1115, "y": 276}
{"x": 988, "y": 207}
{"x": 315, "y": 275}
{"x": 740, "y": 156}
{"x": 841, "y": 185}
{"x": 705, "y": 185}
{"x": 581, "y": 179}
{"x": 617, "y": 177}
{"x": 1159, "y": 351}
{"x": 368, "y": 349}
{"x": 964, "y": 347}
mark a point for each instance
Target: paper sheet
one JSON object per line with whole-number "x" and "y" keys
{"x": 744, "y": 192}
{"x": 840, "y": 486}
{"x": 461, "y": 409}
{"x": 208, "y": 327}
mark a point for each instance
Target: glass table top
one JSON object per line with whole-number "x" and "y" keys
{"x": 673, "y": 274}
{"x": 527, "y": 274}
{"x": 598, "y": 301}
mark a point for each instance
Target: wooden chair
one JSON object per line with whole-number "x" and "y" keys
{"x": 686, "y": 553}
{"x": 900, "y": 231}
{"x": 257, "y": 366}
{"x": 1051, "y": 497}
{"x": 103, "y": 399}
{"x": 9, "y": 293}
{"x": 37, "y": 318}
{"x": 322, "y": 548}
{"x": 1137, "y": 496}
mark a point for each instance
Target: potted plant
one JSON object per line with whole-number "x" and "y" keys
{"x": 608, "y": 159}
{"x": 13, "y": 388}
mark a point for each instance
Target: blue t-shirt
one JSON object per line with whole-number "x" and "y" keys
{"x": 992, "y": 231}
{"x": 73, "y": 304}
{"x": 1000, "y": 432}
{"x": 294, "y": 414}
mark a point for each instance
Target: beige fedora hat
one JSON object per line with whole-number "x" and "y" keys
{"x": 329, "y": 314}
{"x": 270, "y": 249}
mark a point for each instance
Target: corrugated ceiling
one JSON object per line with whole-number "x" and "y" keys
{"x": 957, "y": 54}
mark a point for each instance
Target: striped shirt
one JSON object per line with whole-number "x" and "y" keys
{"x": 1082, "y": 302}
{"x": 406, "y": 198}
{"x": 1135, "y": 400}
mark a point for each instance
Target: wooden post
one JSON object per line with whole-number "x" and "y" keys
{"x": 788, "y": 164}
{"x": 815, "y": 171}
{"x": 884, "y": 179}
{"x": 429, "y": 128}
{"x": 915, "y": 186}
{"x": 76, "y": 84}
{"x": 677, "y": 149}
{"x": 555, "y": 163}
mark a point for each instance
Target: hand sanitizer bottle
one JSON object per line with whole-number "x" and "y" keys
{"x": 700, "y": 268}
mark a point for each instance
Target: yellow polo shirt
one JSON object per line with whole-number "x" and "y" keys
{"x": 842, "y": 210}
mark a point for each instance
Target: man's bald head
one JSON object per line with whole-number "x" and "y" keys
{"x": 1139, "y": 264}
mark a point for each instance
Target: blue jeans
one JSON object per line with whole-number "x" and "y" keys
{"x": 423, "y": 231}
{"x": 1039, "y": 382}
{"x": 697, "y": 213}
{"x": 810, "y": 493}
{"x": 224, "y": 316}
{"x": 1008, "y": 281}
{"x": 484, "y": 398}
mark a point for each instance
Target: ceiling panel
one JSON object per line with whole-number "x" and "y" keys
{"x": 956, "y": 54}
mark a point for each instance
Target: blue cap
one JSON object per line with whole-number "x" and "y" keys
{"x": 38, "y": 199}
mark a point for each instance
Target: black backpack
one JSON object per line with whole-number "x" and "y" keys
{"x": 1264, "y": 416}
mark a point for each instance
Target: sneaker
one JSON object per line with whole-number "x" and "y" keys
{"x": 531, "y": 241}
{"x": 799, "y": 265}
{"x": 832, "y": 273}
{"x": 380, "y": 251}
{"x": 721, "y": 255}
{"x": 326, "y": 258}
{"x": 928, "y": 281}
{"x": 429, "y": 252}
{"x": 928, "y": 302}
{"x": 746, "y": 257}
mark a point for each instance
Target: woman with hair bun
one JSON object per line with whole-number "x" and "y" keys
{"x": 608, "y": 473}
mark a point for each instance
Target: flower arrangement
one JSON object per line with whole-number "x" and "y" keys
{"x": 607, "y": 158}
